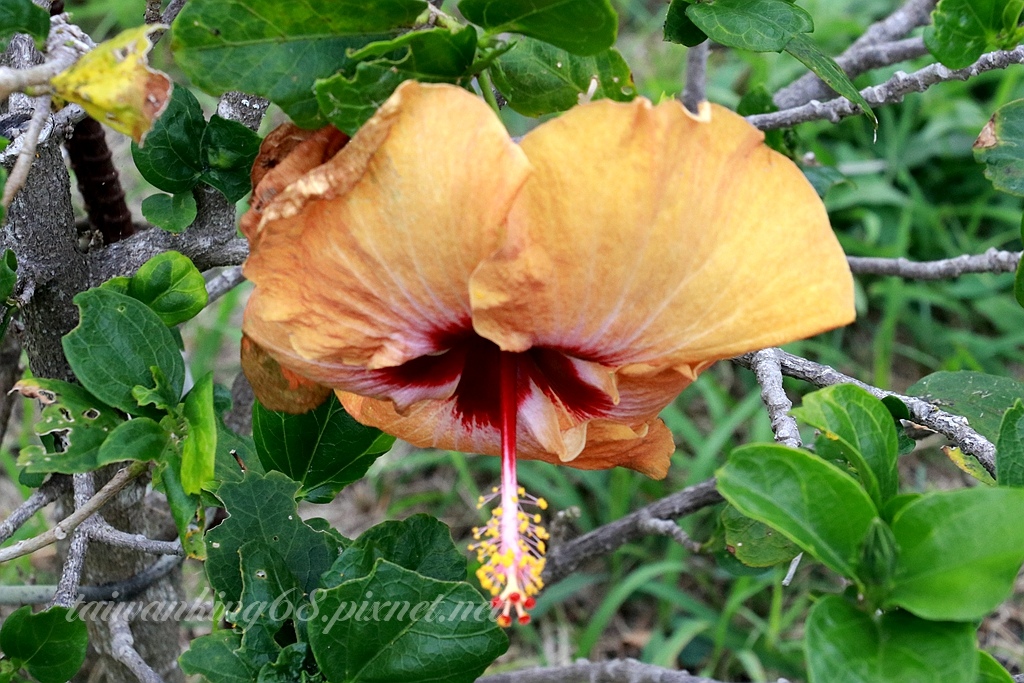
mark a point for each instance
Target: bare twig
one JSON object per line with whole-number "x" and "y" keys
{"x": 695, "y": 90}
{"x": 71, "y": 575}
{"x": 874, "y": 48}
{"x": 768, "y": 371}
{"x": 224, "y": 282}
{"x": 992, "y": 261}
{"x": 564, "y": 559}
{"x": 954, "y": 427}
{"x": 27, "y": 151}
{"x": 615, "y": 671}
{"x": 892, "y": 90}
{"x": 123, "y": 646}
{"x": 72, "y": 521}
{"x": 65, "y": 44}
{"x": 119, "y": 591}
{"x": 40, "y": 498}
{"x": 173, "y": 7}
{"x": 667, "y": 527}
{"x": 152, "y": 13}
{"x": 104, "y": 533}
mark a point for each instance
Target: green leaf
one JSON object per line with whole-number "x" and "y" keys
{"x": 8, "y": 278}
{"x": 757, "y": 25}
{"x": 991, "y": 671}
{"x": 172, "y": 213}
{"x": 51, "y": 644}
{"x": 184, "y": 507}
{"x": 962, "y": 30}
{"x": 857, "y": 428}
{"x": 228, "y": 151}
{"x": 960, "y": 552}
{"x": 199, "y": 447}
{"x": 23, "y": 16}
{"x": 271, "y": 595}
{"x": 279, "y": 50}
{"x": 78, "y": 422}
{"x": 537, "y": 78}
{"x": 161, "y": 395}
{"x": 289, "y": 665}
{"x": 325, "y": 449}
{"x": 420, "y": 543}
{"x": 262, "y": 508}
{"x": 437, "y": 55}
{"x": 1010, "y": 447}
{"x": 754, "y": 543}
{"x": 137, "y": 439}
{"x": 822, "y": 178}
{"x": 679, "y": 28}
{"x": 116, "y": 342}
{"x": 1000, "y": 146}
{"x": 171, "y": 158}
{"x": 815, "y": 504}
{"x": 845, "y": 645}
{"x": 594, "y": 24}
{"x": 416, "y": 629}
{"x": 825, "y": 68}
{"x": 981, "y": 398}
{"x": 878, "y": 558}
{"x": 172, "y": 286}
{"x": 216, "y": 657}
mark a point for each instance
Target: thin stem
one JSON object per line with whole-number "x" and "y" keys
{"x": 488, "y": 89}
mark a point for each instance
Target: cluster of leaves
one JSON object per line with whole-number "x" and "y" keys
{"x": 924, "y": 568}
{"x": 339, "y": 63}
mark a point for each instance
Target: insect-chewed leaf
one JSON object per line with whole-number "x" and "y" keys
{"x": 115, "y": 84}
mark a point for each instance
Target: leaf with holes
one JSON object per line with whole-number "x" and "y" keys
{"x": 78, "y": 422}
{"x": 1000, "y": 146}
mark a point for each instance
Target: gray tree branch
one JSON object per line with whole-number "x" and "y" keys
{"x": 878, "y": 46}
{"x": 695, "y": 89}
{"x": 615, "y": 671}
{"x": 892, "y": 90}
{"x": 954, "y": 427}
{"x": 53, "y": 488}
{"x": 768, "y": 371}
{"x": 71, "y": 575}
{"x": 992, "y": 261}
{"x": 122, "y": 645}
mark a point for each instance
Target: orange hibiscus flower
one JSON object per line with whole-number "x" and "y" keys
{"x": 541, "y": 300}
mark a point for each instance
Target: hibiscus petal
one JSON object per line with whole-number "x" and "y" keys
{"x": 649, "y": 238}
{"x": 366, "y": 259}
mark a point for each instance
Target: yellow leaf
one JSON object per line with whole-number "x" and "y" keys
{"x": 970, "y": 465}
{"x": 115, "y": 85}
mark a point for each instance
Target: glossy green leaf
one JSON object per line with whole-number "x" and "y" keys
{"x": 434, "y": 56}
{"x": 857, "y": 428}
{"x": 583, "y": 27}
{"x": 172, "y": 213}
{"x": 199, "y": 447}
{"x": 417, "y": 629}
{"x": 50, "y": 645}
{"x": 537, "y": 78}
{"x": 1000, "y": 146}
{"x": 818, "y": 506}
{"x": 228, "y": 151}
{"x": 979, "y": 397}
{"x": 77, "y": 421}
{"x": 962, "y": 30}
{"x": 137, "y": 439}
{"x": 263, "y": 508}
{"x": 172, "y": 286}
{"x": 991, "y": 671}
{"x": 325, "y": 449}
{"x": 960, "y": 552}
{"x": 8, "y": 276}
{"x": 184, "y": 507}
{"x": 757, "y": 25}
{"x": 162, "y": 395}
{"x": 116, "y": 342}
{"x": 825, "y": 68}
{"x": 846, "y": 645}
{"x": 23, "y": 16}
{"x": 680, "y": 28}
{"x": 1010, "y": 447}
{"x": 420, "y": 543}
{"x": 216, "y": 658}
{"x": 754, "y": 543}
{"x": 171, "y": 158}
{"x": 279, "y": 50}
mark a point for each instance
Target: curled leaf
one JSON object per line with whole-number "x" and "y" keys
{"x": 115, "y": 84}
